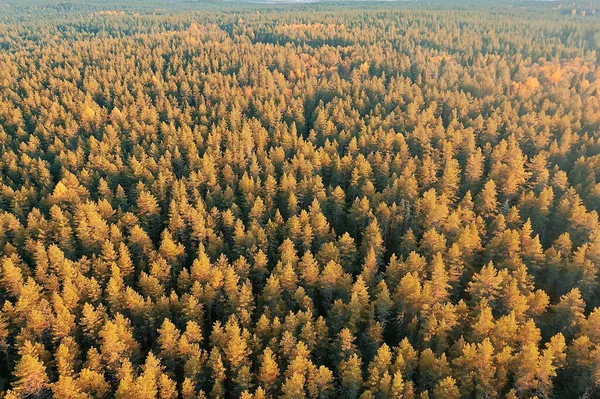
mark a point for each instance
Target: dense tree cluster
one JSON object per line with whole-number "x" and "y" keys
{"x": 300, "y": 203}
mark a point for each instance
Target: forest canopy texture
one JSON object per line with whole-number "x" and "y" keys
{"x": 313, "y": 201}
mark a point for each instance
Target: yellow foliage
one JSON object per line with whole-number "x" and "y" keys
{"x": 193, "y": 29}
{"x": 88, "y": 113}
{"x": 531, "y": 83}
{"x": 555, "y": 76}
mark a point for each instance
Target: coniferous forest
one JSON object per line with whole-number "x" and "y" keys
{"x": 354, "y": 200}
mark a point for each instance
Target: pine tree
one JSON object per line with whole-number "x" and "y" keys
{"x": 446, "y": 389}
{"x": 486, "y": 202}
{"x": 269, "y": 371}
{"x": 29, "y": 373}
{"x": 351, "y": 376}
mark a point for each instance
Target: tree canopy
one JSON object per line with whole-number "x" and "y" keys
{"x": 307, "y": 201}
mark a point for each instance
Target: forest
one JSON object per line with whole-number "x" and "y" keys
{"x": 309, "y": 201}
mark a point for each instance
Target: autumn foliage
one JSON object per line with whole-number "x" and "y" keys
{"x": 324, "y": 201}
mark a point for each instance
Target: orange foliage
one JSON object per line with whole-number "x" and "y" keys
{"x": 531, "y": 83}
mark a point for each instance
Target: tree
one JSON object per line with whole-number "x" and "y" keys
{"x": 168, "y": 342}
{"x": 351, "y": 375}
{"x": 217, "y": 373}
{"x": 269, "y": 371}
{"x": 12, "y": 277}
{"x": 293, "y": 387}
{"x": 569, "y": 313}
{"x": 486, "y": 202}
{"x": 30, "y": 373}
{"x": 372, "y": 239}
{"x": 66, "y": 387}
{"x": 446, "y": 389}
